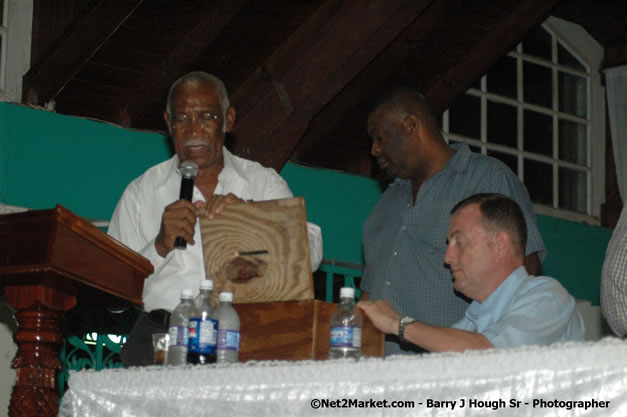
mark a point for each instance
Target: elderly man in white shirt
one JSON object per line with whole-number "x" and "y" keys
{"x": 150, "y": 216}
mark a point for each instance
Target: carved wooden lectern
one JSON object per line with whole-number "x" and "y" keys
{"x": 49, "y": 259}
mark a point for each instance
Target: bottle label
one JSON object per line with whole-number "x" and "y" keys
{"x": 228, "y": 340}
{"x": 202, "y": 335}
{"x": 345, "y": 336}
{"x": 178, "y": 336}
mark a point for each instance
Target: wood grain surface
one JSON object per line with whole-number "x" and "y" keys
{"x": 276, "y": 226}
{"x": 295, "y": 330}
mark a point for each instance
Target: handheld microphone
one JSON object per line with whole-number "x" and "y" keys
{"x": 189, "y": 170}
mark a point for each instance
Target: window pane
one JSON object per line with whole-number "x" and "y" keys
{"x": 2, "y": 13}
{"x": 502, "y": 124}
{"x": 538, "y": 43}
{"x": 566, "y": 58}
{"x": 502, "y": 77}
{"x": 510, "y": 160}
{"x": 572, "y": 94}
{"x": 572, "y": 142}
{"x": 465, "y": 116}
{"x": 539, "y": 181}
{"x": 537, "y": 85}
{"x": 538, "y": 133}
{"x": 572, "y": 190}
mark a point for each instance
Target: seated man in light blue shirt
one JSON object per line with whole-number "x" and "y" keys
{"x": 486, "y": 251}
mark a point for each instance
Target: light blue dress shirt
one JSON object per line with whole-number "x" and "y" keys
{"x": 525, "y": 310}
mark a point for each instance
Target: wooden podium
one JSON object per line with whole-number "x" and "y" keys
{"x": 49, "y": 259}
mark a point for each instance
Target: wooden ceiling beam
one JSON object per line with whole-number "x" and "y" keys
{"x": 216, "y": 16}
{"x": 362, "y": 86}
{"x": 504, "y": 34}
{"x": 407, "y": 61}
{"x": 274, "y": 114}
{"x": 82, "y": 39}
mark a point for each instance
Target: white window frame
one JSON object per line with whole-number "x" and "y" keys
{"x": 16, "y": 48}
{"x": 3, "y": 44}
{"x": 579, "y": 43}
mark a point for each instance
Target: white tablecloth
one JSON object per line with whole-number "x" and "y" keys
{"x": 586, "y": 379}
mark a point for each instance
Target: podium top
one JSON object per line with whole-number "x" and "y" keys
{"x": 59, "y": 249}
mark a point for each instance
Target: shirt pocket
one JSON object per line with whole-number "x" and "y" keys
{"x": 427, "y": 228}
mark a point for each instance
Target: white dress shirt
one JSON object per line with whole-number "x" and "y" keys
{"x": 137, "y": 219}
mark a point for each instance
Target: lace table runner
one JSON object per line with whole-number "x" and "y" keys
{"x": 573, "y": 379}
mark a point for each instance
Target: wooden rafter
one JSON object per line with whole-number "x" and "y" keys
{"x": 407, "y": 60}
{"x": 358, "y": 90}
{"x": 82, "y": 39}
{"x": 276, "y": 113}
{"x": 174, "y": 63}
{"x": 504, "y": 34}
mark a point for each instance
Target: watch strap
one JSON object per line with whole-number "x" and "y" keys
{"x": 403, "y": 322}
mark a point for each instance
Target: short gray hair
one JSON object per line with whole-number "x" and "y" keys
{"x": 201, "y": 77}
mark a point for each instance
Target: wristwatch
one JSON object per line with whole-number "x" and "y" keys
{"x": 401, "y": 327}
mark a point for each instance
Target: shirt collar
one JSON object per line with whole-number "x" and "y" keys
{"x": 231, "y": 165}
{"x": 233, "y": 169}
{"x": 175, "y": 164}
{"x": 500, "y": 298}
{"x": 458, "y": 162}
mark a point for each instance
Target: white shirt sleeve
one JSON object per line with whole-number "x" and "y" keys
{"x": 315, "y": 245}
{"x": 124, "y": 226}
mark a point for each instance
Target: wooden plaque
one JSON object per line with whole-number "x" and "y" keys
{"x": 276, "y": 226}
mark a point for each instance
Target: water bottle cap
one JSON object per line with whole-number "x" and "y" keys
{"x": 226, "y": 297}
{"x": 187, "y": 293}
{"x": 347, "y": 292}
{"x": 206, "y": 284}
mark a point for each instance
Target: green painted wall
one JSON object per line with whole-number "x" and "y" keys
{"x": 575, "y": 255}
{"x": 46, "y": 158}
{"x": 340, "y": 203}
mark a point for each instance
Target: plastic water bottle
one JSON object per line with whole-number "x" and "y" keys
{"x": 228, "y": 330}
{"x": 346, "y": 323}
{"x": 179, "y": 327}
{"x": 203, "y": 328}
